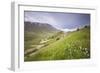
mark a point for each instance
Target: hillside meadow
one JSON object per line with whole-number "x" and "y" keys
{"x": 58, "y": 46}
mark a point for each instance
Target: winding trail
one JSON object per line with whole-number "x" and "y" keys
{"x": 32, "y": 51}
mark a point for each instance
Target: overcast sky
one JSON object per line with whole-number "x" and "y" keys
{"x": 58, "y": 19}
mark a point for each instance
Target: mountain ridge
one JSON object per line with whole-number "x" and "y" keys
{"x": 38, "y": 27}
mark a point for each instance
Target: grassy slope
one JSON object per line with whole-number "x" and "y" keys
{"x": 74, "y": 46}
{"x": 34, "y": 39}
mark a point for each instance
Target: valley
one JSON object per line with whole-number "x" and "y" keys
{"x": 44, "y": 42}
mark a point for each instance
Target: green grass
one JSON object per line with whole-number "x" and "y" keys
{"x": 31, "y": 38}
{"x": 75, "y": 45}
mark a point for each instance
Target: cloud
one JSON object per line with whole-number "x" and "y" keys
{"x": 66, "y": 21}
{"x": 38, "y": 17}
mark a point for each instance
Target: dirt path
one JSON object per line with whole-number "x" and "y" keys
{"x": 32, "y": 51}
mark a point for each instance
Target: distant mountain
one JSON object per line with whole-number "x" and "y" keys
{"x": 39, "y": 27}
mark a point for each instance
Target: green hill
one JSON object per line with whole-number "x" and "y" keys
{"x": 74, "y": 45}
{"x": 35, "y": 31}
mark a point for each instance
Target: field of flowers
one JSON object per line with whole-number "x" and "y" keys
{"x": 75, "y": 45}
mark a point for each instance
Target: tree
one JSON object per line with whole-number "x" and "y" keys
{"x": 85, "y": 26}
{"x": 78, "y": 29}
{"x": 57, "y": 38}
